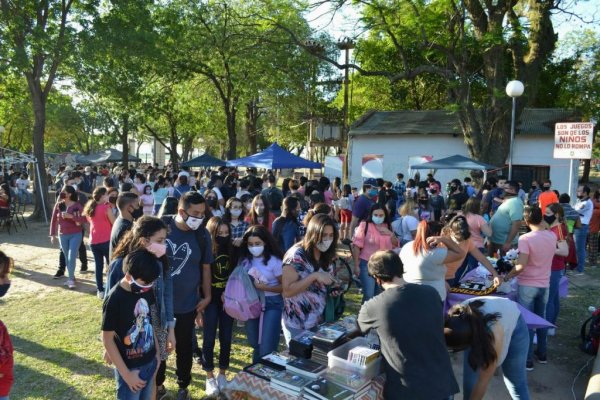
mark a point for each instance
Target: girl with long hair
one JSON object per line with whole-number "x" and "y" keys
{"x": 212, "y": 202}
{"x": 67, "y": 220}
{"x": 492, "y": 333}
{"x": 286, "y": 227}
{"x": 345, "y": 205}
{"x": 214, "y": 315}
{"x": 260, "y": 214}
{"x": 150, "y": 233}
{"x": 307, "y": 268}
{"x": 160, "y": 193}
{"x": 261, "y": 257}
{"x": 424, "y": 260}
{"x": 555, "y": 218}
{"x": 100, "y": 216}
{"x": 372, "y": 235}
{"x": 234, "y": 216}
{"x": 147, "y": 200}
{"x": 318, "y": 208}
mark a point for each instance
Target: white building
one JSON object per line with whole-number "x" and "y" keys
{"x": 401, "y": 135}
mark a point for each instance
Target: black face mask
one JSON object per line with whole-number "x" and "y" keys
{"x": 212, "y": 203}
{"x": 112, "y": 200}
{"x": 533, "y": 187}
{"x": 453, "y": 188}
{"x": 549, "y": 219}
{"x": 223, "y": 241}
{"x": 4, "y": 288}
{"x": 136, "y": 213}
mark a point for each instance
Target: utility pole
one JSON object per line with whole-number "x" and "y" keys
{"x": 345, "y": 44}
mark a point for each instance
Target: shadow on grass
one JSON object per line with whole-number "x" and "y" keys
{"x": 32, "y": 383}
{"x": 59, "y": 357}
{"x": 46, "y": 279}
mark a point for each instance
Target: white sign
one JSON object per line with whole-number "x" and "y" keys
{"x": 334, "y": 166}
{"x": 372, "y": 166}
{"x": 573, "y": 140}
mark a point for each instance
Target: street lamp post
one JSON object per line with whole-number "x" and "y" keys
{"x": 514, "y": 89}
{"x": 346, "y": 45}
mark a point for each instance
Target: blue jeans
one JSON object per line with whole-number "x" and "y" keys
{"x": 553, "y": 306}
{"x": 370, "y": 288}
{"x": 215, "y": 316}
{"x": 580, "y": 236}
{"x": 69, "y": 244}
{"x": 100, "y": 252}
{"x": 123, "y": 391}
{"x": 535, "y": 300}
{"x": 513, "y": 366}
{"x": 271, "y": 328}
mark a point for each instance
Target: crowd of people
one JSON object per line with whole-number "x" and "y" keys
{"x": 168, "y": 243}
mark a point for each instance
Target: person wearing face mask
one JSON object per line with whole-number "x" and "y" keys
{"x": 585, "y": 208}
{"x": 212, "y": 202}
{"x": 234, "y": 216}
{"x": 554, "y": 218}
{"x": 372, "y": 235}
{"x": 507, "y": 220}
{"x": 147, "y": 200}
{"x": 189, "y": 249}
{"x": 160, "y": 193}
{"x": 547, "y": 196}
{"x": 260, "y": 214}
{"x": 149, "y": 233}
{"x": 261, "y": 257}
{"x": 214, "y": 315}
{"x": 129, "y": 210}
{"x": 100, "y": 217}
{"x": 362, "y": 205}
{"x": 127, "y": 328}
{"x": 307, "y": 269}
{"x": 286, "y": 227}
{"x": 67, "y": 220}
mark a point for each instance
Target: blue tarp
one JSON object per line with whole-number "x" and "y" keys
{"x": 205, "y": 160}
{"x": 454, "y": 162}
{"x": 273, "y": 157}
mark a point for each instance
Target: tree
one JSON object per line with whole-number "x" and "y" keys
{"x": 36, "y": 37}
{"x": 470, "y": 47}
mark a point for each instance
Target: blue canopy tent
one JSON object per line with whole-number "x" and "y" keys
{"x": 456, "y": 162}
{"x": 205, "y": 160}
{"x": 274, "y": 157}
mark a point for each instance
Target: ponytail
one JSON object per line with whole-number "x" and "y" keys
{"x": 90, "y": 207}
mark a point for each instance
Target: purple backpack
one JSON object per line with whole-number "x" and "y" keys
{"x": 241, "y": 299}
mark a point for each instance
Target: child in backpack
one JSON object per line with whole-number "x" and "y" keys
{"x": 262, "y": 257}
{"x": 214, "y": 315}
{"x": 127, "y": 332}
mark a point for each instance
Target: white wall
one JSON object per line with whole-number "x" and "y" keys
{"x": 528, "y": 150}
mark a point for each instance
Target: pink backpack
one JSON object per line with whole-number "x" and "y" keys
{"x": 241, "y": 299}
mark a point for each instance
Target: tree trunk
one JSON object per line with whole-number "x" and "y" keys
{"x": 125, "y": 140}
{"x": 187, "y": 147}
{"x": 252, "y": 115}
{"x": 232, "y": 139}
{"x": 41, "y": 196}
{"x": 585, "y": 178}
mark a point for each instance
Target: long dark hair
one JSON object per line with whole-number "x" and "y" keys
{"x": 212, "y": 226}
{"x": 466, "y": 326}
{"x": 160, "y": 183}
{"x": 143, "y": 228}
{"x": 376, "y": 207}
{"x": 347, "y": 190}
{"x": 227, "y": 214}
{"x": 319, "y": 208}
{"x": 90, "y": 207}
{"x": 254, "y": 216}
{"x": 314, "y": 234}
{"x": 271, "y": 247}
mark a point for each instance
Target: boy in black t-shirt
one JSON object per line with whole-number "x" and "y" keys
{"x": 127, "y": 332}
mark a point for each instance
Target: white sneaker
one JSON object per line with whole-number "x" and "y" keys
{"x": 212, "y": 387}
{"x": 222, "y": 381}
{"x": 100, "y": 295}
{"x": 70, "y": 284}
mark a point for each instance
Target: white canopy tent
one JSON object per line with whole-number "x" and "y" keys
{"x": 8, "y": 157}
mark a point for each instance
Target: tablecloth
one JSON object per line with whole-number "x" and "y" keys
{"x": 245, "y": 386}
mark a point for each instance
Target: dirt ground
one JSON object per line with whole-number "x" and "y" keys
{"x": 36, "y": 260}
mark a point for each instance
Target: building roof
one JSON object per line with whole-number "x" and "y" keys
{"x": 533, "y": 121}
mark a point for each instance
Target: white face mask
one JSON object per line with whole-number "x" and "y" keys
{"x": 249, "y": 206}
{"x": 378, "y": 220}
{"x": 236, "y": 213}
{"x": 324, "y": 245}
{"x": 192, "y": 222}
{"x": 256, "y": 251}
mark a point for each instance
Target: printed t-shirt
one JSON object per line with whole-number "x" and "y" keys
{"x": 186, "y": 263}
{"x": 508, "y": 212}
{"x": 540, "y": 246}
{"x": 304, "y": 310}
{"x": 409, "y": 320}
{"x": 128, "y": 315}
{"x": 425, "y": 268}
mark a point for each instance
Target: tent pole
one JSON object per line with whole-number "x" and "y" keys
{"x": 39, "y": 179}
{"x": 484, "y": 175}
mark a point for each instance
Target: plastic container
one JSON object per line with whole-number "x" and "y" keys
{"x": 338, "y": 358}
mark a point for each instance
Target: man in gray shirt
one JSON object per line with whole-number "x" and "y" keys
{"x": 409, "y": 320}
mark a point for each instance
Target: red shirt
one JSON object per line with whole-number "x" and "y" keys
{"x": 6, "y": 361}
{"x": 558, "y": 262}
{"x": 100, "y": 226}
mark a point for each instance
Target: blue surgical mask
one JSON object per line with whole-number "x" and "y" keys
{"x": 378, "y": 220}
{"x": 372, "y": 192}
